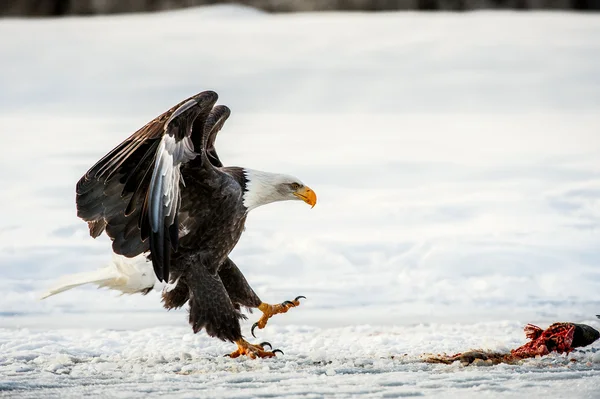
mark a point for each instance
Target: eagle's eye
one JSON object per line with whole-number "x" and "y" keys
{"x": 294, "y": 186}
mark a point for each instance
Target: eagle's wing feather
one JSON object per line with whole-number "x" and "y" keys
{"x": 164, "y": 199}
{"x": 113, "y": 194}
{"x": 215, "y": 121}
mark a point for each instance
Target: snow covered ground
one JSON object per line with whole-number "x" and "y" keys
{"x": 367, "y": 362}
{"x": 456, "y": 160}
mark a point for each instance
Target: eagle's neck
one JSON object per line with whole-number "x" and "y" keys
{"x": 261, "y": 188}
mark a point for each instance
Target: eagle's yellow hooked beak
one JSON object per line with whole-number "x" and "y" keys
{"x": 307, "y": 195}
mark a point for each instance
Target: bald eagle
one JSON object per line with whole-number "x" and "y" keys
{"x": 168, "y": 204}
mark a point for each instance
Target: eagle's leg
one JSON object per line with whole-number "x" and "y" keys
{"x": 238, "y": 289}
{"x": 212, "y": 309}
{"x": 271, "y": 310}
{"x": 253, "y": 351}
{"x": 241, "y": 293}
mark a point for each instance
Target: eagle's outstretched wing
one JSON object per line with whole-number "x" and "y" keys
{"x": 134, "y": 191}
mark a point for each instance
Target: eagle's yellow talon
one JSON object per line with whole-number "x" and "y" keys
{"x": 252, "y": 351}
{"x": 272, "y": 310}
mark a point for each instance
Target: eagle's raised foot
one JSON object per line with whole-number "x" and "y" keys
{"x": 253, "y": 351}
{"x": 271, "y": 310}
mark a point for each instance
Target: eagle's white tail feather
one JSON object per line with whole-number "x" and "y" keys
{"x": 99, "y": 277}
{"x": 128, "y": 275}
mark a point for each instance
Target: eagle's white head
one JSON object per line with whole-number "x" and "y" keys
{"x": 263, "y": 188}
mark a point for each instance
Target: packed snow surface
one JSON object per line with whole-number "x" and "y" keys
{"x": 343, "y": 362}
{"x": 456, "y": 162}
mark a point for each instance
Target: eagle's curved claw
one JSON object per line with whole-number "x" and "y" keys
{"x": 252, "y": 329}
{"x": 263, "y": 344}
{"x": 278, "y": 350}
{"x": 294, "y": 303}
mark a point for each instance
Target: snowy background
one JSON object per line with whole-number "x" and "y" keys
{"x": 456, "y": 158}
